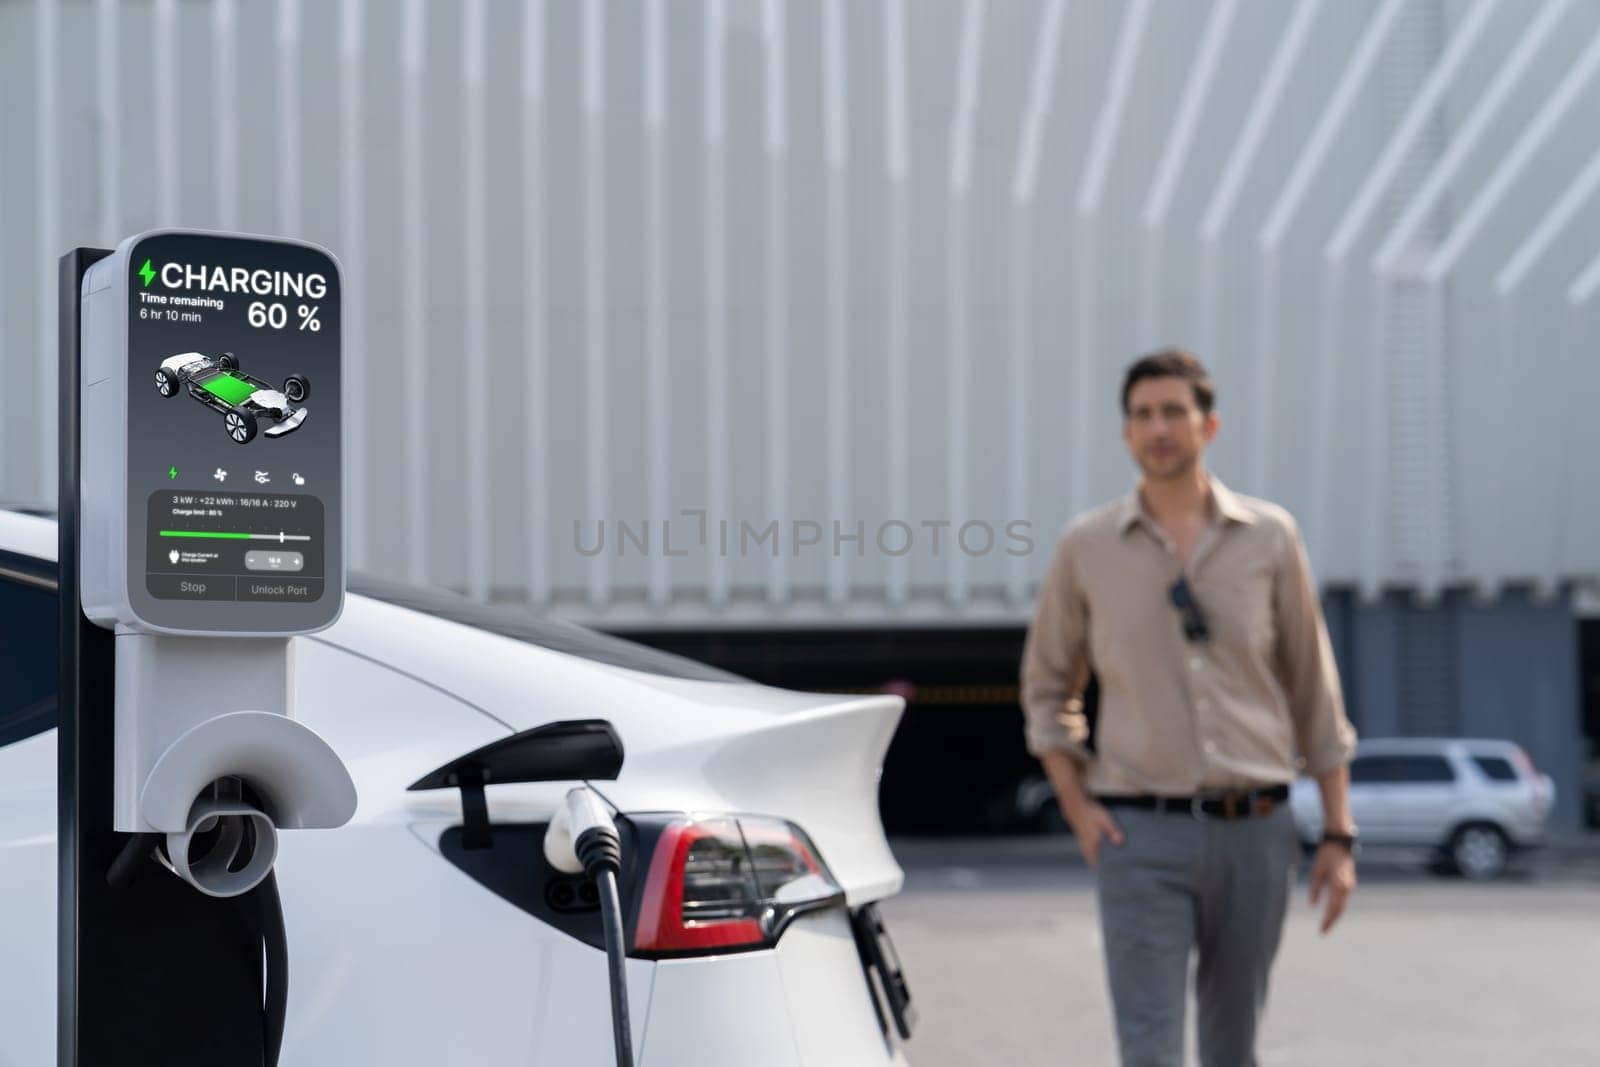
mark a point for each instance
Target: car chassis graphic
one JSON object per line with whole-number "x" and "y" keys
{"x": 244, "y": 401}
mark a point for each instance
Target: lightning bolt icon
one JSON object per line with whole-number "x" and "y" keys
{"x": 146, "y": 273}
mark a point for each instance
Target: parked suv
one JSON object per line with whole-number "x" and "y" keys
{"x": 1475, "y": 801}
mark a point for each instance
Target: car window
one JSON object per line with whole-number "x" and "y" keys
{"x": 555, "y": 634}
{"x": 1367, "y": 769}
{"x": 1496, "y": 768}
{"x": 28, "y": 653}
{"x": 1397, "y": 769}
{"x": 1422, "y": 769}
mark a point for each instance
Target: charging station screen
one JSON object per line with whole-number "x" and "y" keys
{"x": 233, "y": 431}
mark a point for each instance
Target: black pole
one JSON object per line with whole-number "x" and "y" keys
{"x": 149, "y": 970}
{"x": 86, "y": 668}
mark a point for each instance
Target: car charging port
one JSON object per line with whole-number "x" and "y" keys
{"x": 570, "y": 895}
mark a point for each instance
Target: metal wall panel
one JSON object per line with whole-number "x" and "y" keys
{"x": 630, "y": 269}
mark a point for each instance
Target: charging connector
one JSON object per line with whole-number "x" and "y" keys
{"x": 583, "y": 838}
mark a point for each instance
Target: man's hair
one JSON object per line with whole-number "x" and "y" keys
{"x": 1172, "y": 363}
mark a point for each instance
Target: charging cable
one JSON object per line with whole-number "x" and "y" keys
{"x": 583, "y": 839}
{"x": 261, "y": 911}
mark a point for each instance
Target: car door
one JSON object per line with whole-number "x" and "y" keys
{"x": 1422, "y": 797}
{"x": 1368, "y": 804}
{"x": 27, "y": 808}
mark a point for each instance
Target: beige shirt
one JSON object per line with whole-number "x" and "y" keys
{"x": 1243, "y": 708}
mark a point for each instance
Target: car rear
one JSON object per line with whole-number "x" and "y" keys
{"x": 753, "y": 848}
{"x": 759, "y": 957}
{"x": 1520, "y": 793}
{"x": 720, "y": 1010}
{"x": 743, "y": 948}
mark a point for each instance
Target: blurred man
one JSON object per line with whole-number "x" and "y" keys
{"x": 1195, "y": 608}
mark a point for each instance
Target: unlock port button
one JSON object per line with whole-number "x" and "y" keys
{"x": 274, "y": 561}
{"x": 276, "y": 588}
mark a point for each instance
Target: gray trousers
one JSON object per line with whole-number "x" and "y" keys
{"x": 1179, "y": 884}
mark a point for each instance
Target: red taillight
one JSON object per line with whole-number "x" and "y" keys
{"x": 726, "y": 883}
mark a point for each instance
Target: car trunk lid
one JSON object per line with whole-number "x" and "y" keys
{"x": 722, "y": 747}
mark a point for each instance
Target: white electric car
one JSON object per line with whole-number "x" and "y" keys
{"x": 742, "y": 803}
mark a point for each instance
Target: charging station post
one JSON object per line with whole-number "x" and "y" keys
{"x": 180, "y": 598}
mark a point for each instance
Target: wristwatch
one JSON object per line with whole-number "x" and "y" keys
{"x": 1347, "y": 840}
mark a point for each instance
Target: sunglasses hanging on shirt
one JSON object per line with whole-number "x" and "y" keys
{"x": 1194, "y": 620}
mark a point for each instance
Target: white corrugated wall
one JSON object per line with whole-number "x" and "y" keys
{"x": 878, "y": 262}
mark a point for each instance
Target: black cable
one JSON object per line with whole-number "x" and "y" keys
{"x": 261, "y": 911}
{"x": 134, "y": 851}
{"x": 611, "y": 917}
{"x": 276, "y": 938}
{"x": 601, "y": 852}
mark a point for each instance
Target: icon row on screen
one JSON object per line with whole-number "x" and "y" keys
{"x": 260, "y": 477}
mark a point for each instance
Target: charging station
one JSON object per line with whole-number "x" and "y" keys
{"x": 201, "y": 528}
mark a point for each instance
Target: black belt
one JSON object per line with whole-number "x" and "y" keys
{"x": 1219, "y": 805}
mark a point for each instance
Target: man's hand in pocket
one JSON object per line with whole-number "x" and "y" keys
{"x": 1092, "y": 824}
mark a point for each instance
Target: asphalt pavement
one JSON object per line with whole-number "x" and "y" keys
{"x": 1000, "y": 941}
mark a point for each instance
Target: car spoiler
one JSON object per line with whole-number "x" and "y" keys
{"x": 572, "y": 750}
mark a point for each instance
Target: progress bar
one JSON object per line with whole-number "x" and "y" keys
{"x": 226, "y": 536}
